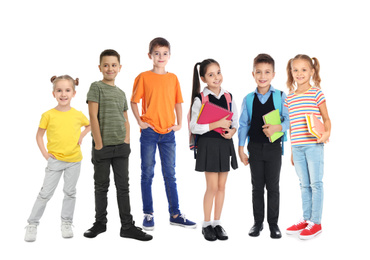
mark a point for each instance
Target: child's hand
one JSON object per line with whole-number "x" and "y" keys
{"x": 144, "y": 125}
{"x": 269, "y": 130}
{"x": 291, "y": 159}
{"x": 48, "y": 155}
{"x": 80, "y": 140}
{"x": 175, "y": 128}
{"x": 324, "y": 138}
{"x": 243, "y": 157}
{"x": 228, "y": 133}
{"x": 224, "y": 123}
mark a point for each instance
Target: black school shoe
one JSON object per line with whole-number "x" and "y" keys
{"x": 220, "y": 233}
{"x": 135, "y": 233}
{"x": 275, "y": 231}
{"x": 255, "y": 230}
{"x": 96, "y": 229}
{"x": 209, "y": 233}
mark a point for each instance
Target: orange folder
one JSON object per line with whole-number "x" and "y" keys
{"x": 315, "y": 126}
{"x": 210, "y": 113}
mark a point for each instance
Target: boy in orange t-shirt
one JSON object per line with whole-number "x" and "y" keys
{"x": 161, "y": 95}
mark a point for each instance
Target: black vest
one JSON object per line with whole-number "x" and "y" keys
{"x": 255, "y": 132}
{"x": 219, "y": 102}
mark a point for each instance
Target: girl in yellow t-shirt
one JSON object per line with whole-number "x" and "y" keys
{"x": 62, "y": 125}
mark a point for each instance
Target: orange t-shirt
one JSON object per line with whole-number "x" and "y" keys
{"x": 159, "y": 94}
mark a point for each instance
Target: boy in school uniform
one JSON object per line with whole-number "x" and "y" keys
{"x": 264, "y": 156}
{"x": 111, "y": 147}
{"x": 160, "y": 94}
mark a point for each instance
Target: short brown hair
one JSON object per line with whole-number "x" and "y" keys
{"x": 109, "y": 52}
{"x": 159, "y": 41}
{"x": 264, "y": 58}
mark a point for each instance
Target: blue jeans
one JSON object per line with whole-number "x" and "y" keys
{"x": 167, "y": 150}
{"x": 309, "y": 165}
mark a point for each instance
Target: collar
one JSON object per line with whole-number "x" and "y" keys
{"x": 271, "y": 89}
{"x": 207, "y": 91}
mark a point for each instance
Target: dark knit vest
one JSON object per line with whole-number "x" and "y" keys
{"x": 255, "y": 132}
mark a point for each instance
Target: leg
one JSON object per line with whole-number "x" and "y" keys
{"x": 257, "y": 168}
{"x": 120, "y": 164}
{"x": 167, "y": 152}
{"x": 148, "y": 142}
{"x": 102, "y": 161}
{"x": 272, "y": 175}
{"x": 301, "y": 167}
{"x": 211, "y": 191}
{"x": 52, "y": 177}
{"x": 71, "y": 174}
{"x": 220, "y": 195}
{"x": 315, "y": 161}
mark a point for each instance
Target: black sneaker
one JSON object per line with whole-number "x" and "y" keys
{"x": 96, "y": 229}
{"x": 135, "y": 233}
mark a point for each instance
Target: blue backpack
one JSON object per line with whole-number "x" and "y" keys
{"x": 276, "y": 97}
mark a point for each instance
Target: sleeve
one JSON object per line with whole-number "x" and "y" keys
{"x": 234, "y": 109}
{"x": 196, "y": 128}
{"x": 243, "y": 124}
{"x": 138, "y": 89}
{"x": 319, "y": 98}
{"x": 285, "y": 114}
{"x": 178, "y": 92}
{"x": 125, "y": 106}
{"x": 84, "y": 120}
{"x": 44, "y": 121}
{"x": 93, "y": 94}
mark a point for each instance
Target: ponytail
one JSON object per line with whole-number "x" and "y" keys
{"x": 316, "y": 77}
{"x": 290, "y": 80}
{"x": 202, "y": 71}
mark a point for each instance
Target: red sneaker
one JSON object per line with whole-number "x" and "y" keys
{"x": 297, "y": 228}
{"x": 311, "y": 231}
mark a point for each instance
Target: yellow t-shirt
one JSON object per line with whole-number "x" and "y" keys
{"x": 63, "y": 130}
{"x": 159, "y": 94}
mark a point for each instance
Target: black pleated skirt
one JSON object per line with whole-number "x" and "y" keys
{"x": 215, "y": 155}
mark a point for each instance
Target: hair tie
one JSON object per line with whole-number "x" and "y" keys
{"x": 77, "y": 81}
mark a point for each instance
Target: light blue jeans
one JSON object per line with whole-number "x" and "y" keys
{"x": 309, "y": 165}
{"x": 53, "y": 172}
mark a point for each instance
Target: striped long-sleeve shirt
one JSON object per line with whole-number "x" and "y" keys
{"x": 299, "y": 105}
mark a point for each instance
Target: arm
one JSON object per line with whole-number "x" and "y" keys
{"x": 135, "y": 111}
{"x": 229, "y": 133}
{"x": 127, "y": 125}
{"x": 94, "y": 122}
{"x": 327, "y": 123}
{"x": 40, "y": 142}
{"x": 178, "y": 110}
{"x": 243, "y": 132}
{"x": 84, "y": 133}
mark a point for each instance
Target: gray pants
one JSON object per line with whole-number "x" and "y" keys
{"x": 53, "y": 172}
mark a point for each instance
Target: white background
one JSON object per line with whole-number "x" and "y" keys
{"x": 40, "y": 39}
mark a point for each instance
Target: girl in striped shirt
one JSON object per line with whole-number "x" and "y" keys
{"x": 307, "y": 150}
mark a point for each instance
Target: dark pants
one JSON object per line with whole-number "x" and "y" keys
{"x": 265, "y": 164}
{"x": 117, "y": 156}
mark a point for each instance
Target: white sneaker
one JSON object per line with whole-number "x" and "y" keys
{"x": 31, "y": 232}
{"x": 67, "y": 231}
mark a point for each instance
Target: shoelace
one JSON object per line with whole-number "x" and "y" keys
{"x": 310, "y": 225}
{"x": 300, "y": 222}
{"x": 67, "y": 225}
{"x": 183, "y": 216}
{"x": 148, "y": 217}
{"x": 30, "y": 228}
